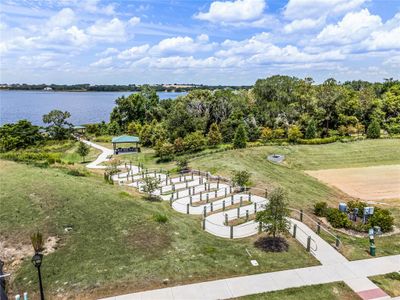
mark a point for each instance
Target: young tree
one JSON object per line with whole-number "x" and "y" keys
{"x": 311, "y": 130}
{"x": 165, "y": 151}
{"x": 241, "y": 178}
{"x": 150, "y": 185}
{"x": 266, "y": 134}
{"x": 83, "y": 150}
{"x": 182, "y": 163}
{"x": 274, "y": 217}
{"x": 214, "y": 135}
{"x": 374, "y": 130}
{"x": 59, "y": 127}
{"x": 240, "y": 139}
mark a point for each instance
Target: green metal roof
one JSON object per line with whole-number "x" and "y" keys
{"x": 125, "y": 139}
{"x": 79, "y": 127}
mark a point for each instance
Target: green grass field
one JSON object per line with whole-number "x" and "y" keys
{"x": 390, "y": 283}
{"x": 331, "y": 291}
{"x": 116, "y": 245}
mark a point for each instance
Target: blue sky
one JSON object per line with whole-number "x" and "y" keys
{"x": 192, "y": 41}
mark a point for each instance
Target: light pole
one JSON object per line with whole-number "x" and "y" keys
{"x": 37, "y": 262}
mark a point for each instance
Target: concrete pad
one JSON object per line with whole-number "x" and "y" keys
{"x": 286, "y": 279}
{"x": 251, "y": 285}
{"x": 361, "y": 284}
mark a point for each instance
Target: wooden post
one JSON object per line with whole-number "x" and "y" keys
{"x": 211, "y": 206}
{"x": 255, "y": 207}
{"x": 223, "y": 205}
{"x": 259, "y": 227}
{"x": 238, "y": 212}
{"x": 301, "y": 215}
{"x": 216, "y": 195}
{"x": 309, "y": 244}
{"x": 319, "y": 227}
{"x": 204, "y": 224}
{"x": 241, "y": 200}
{"x": 226, "y": 219}
{"x": 294, "y": 230}
{"x": 187, "y": 208}
{"x": 231, "y": 232}
{"x": 247, "y": 215}
{"x": 191, "y": 200}
{"x": 232, "y": 200}
{"x": 226, "y": 191}
{"x": 207, "y": 198}
{"x": 205, "y": 211}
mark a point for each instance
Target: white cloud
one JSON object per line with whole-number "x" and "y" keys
{"x": 63, "y": 18}
{"x": 134, "y": 21}
{"x": 102, "y": 62}
{"x": 92, "y": 6}
{"x": 352, "y": 28}
{"x": 302, "y": 9}
{"x": 111, "y": 31}
{"x": 384, "y": 39}
{"x": 183, "y": 44}
{"x": 233, "y": 11}
{"x": 134, "y": 52}
{"x": 72, "y": 35}
{"x": 303, "y": 24}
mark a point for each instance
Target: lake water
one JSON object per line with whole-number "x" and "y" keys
{"x": 85, "y": 107}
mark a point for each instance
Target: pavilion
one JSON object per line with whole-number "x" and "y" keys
{"x": 79, "y": 129}
{"x": 125, "y": 139}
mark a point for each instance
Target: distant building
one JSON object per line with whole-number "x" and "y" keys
{"x": 47, "y": 88}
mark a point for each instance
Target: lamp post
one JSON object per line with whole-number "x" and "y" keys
{"x": 37, "y": 262}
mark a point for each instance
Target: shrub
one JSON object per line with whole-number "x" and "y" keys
{"x": 182, "y": 163}
{"x": 374, "y": 130}
{"x": 165, "y": 151}
{"x": 381, "y": 218}
{"x": 318, "y": 141}
{"x": 337, "y": 218}
{"x": 351, "y": 205}
{"x": 179, "y": 145}
{"x": 240, "y": 139}
{"x": 194, "y": 141}
{"x": 77, "y": 172}
{"x": 266, "y": 134}
{"x": 294, "y": 134}
{"x": 160, "y": 218}
{"x": 320, "y": 209}
{"x": 278, "y": 133}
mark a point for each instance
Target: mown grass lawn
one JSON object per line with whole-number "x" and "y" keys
{"x": 390, "y": 283}
{"x": 331, "y": 291}
{"x": 116, "y": 246}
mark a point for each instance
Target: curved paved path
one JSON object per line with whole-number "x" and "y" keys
{"x": 179, "y": 190}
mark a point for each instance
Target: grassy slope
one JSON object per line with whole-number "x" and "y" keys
{"x": 304, "y": 190}
{"x": 331, "y": 291}
{"x": 115, "y": 244}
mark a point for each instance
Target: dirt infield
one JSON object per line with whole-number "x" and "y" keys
{"x": 369, "y": 183}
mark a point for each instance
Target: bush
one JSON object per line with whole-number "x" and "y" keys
{"x": 240, "y": 139}
{"x": 266, "y": 134}
{"x": 374, "y": 130}
{"x": 77, "y": 172}
{"x": 318, "y": 141}
{"x": 294, "y": 134}
{"x": 381, "y": 218}
{"x": 241, "y": 178}
{"x": 194, "y": 141}
{"x": 337, "y": 218}
{"x": 182, "y": 163}
{"x": 320, "y": 209}
{"x": 165, "y": 151}
{"x": 351, "y": 205}
{"x": 278, "y": 133}
{"x": 214, "y": 136}
{"x": 311, "y": 130}
{"x": 160, "y": 218}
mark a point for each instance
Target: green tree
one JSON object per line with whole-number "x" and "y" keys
{"x": 311, "y": 130}
{"x": 165, "y": 151}
{"x": 214, "y": 135}
{"x": 241, "y": 178}
{"x": 113, "y": 128}
{"x": 240, "y": 139}
{"x": 194, "y": 141}
{"x": 151, "y": 184}
{"x": 275, "y": 216}
{"x": 19, "y": 135}
{"x": 83, "y": 150}
{"x": 59, "y": 127}
{"x": 382, "y": 218}
{"x": 374, "y": 130}
{"x": 266, "y": 134}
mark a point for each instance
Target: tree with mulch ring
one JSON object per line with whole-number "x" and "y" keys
{"x": 274, "y": 222}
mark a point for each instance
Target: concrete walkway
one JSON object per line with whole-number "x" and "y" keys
{"x": 335, "y": 267}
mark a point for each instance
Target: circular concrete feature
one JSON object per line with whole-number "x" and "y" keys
{"x": 276, "y": 158}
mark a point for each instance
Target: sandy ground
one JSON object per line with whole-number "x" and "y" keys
{"x": 369, "y": 183}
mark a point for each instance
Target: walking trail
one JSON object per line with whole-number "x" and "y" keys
{"x": 191, "y": 194}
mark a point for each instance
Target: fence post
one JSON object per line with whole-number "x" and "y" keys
{"x": 209, "y": 187}
{"x": 308, "y": 243}
{"x": 255, "y": 207}
{"x": 319, "y": 227}
{"x": 337, "y": 242}
{"x": 173, "y": 187}
{"x": 177, "y": 194}
{"x": 223, "y": 204}
{"x": 249, "y": 196}
{"x": 232, "y": 201}
{"x": 211, "y": 206}
{"x": 259, "y": 227}
{"x": 205, "y": 186}
{"x": 161, "y": 190}
{"x": 191, "y": 200}
{"x": 194, "y": 190}
{"x": 201, "y": 196}
{"x": 231, "y": 233}
{"x": 192, "y": 175}
{"x": 180, "y": 178}
{"x": 230, "y": 189}
{"x": 187, "y": 208}
{"x": 238, "y": 212}
{"x": 247, "y": 215}
{"x": 187, "y": 184}
{"x": 204, "y": 224}
{"x": 205, "y": 211}
{"x": 216, "y": 194}
{"x": 294, "y": 230}
{"x": 226, "y": 191}
{"x": 190, "y": 191}
{"x": 301, "y": 215}
{"x": 266, "y": 193}
{"x": 241, "y": 201}
{"x": 226, "y": 219}
{"x": 170, "y": 200}
{"x": 207, "y": 198}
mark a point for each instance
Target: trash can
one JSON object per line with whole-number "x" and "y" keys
{"x": 372, "y": 250}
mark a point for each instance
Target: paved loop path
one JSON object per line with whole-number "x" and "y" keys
{"x": 334, "y": 266}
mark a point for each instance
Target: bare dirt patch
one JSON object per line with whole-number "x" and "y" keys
{"x": 369, "y": 183}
